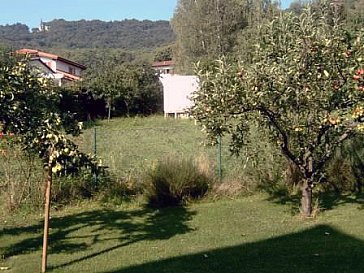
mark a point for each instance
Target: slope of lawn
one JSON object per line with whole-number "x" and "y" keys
{"x": 128, "y": 146}
{"x": 249, "y": 234}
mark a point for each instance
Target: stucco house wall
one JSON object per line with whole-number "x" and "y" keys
{"x": 177, "y": 91}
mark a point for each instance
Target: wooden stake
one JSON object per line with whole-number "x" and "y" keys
{"x": 48, "y": 186}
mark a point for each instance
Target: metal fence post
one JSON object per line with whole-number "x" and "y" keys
{"x": 95, "y": 153}
{"x": 219, "y": 167}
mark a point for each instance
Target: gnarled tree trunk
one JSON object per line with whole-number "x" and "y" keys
{"x": 306, "y": 200}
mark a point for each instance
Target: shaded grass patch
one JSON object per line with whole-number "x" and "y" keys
{"x": 248, "y": 234}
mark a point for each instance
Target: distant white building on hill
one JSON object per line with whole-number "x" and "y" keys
{"x": 177, "y": 92}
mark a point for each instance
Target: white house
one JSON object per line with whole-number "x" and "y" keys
{"x": 60, "y": 69}
{"x": 177, "y": 91}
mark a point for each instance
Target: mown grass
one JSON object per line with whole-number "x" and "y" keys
{"x": 129, "y": 146}
{"x": 250, "y": 234}
{"x": 254, "y": 234}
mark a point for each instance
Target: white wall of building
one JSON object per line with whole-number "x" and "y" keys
{"x": 177, "y": 91}
{"x": 60, "y": 65}
{"x": 65, "y": 67}
{"x": 50, "y": 62}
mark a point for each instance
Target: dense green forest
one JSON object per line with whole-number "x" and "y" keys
{"x": 96, "y": 44}
{"x": 126, "y": 34}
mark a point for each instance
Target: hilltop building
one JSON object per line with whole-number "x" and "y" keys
{"x": 43, "y": 27}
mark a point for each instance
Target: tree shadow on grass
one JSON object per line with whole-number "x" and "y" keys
{"x": 330, "y": 201}
{"x": 321, "y": 249}
{"x": 282, "y": 196}
{"x": 78, "y": 232}
{"x": 326, "y": 200}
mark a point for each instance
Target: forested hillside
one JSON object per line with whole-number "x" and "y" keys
{"x": 126, "y": 34}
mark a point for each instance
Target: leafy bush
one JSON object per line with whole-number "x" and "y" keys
{"x": 66, "y": 190}
{"x": 346, "y": 169}
{"x": 22, "y": 179}
{"x": 173, "y": 181}
{"x": 119, "y": 190}
{"x": 21, "y": 176}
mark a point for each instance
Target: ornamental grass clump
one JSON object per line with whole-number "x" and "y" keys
{"x": 174, "y": 181}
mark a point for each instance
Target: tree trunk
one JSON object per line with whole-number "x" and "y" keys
{"x": 306, "y": 200}
{"x": 109, "y": 103}
{"x": 48, "y": 186}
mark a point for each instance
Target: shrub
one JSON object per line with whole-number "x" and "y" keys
{"x": 230, "y": 188}
{"x": 121, "y": 189}
{"x": 22, "y": 179}
{"x": 65, "y": 190}
{"x": 173, "y": 181}
{"x": 21, "y": 176}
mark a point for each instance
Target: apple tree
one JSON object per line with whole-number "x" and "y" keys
{"x": 305, "y": 83}
{"x": 28, "y": 112}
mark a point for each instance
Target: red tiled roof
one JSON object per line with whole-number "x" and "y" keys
{"x": 164, "y": 63}
{"x": 38, "y": 53}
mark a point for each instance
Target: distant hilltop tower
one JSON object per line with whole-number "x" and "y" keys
{"x": 43, "y": 27}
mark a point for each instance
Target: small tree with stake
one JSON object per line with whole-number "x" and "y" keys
{"x": 305, "y": 84}
{"x": 27, "y": 109}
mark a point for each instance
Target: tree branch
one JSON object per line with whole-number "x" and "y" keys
{"x": 284, "y": 145}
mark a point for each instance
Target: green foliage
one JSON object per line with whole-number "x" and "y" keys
{"x": 205, "y": 29}
{"x": 118, "y": 190}
{"x": 305, "y": 84}
{"x": 10, "y": 32}
{"x": 22, "y": 180}
{"x": 70, "y": 189}
{"x": 126, "y": 34}
{"x": 354, "y": 13}
{"x": 302, "y": 83}
{"x": 96, "y": 59}
{"x": 128, "y": 89}
{"x": 345, "y": 170}
{"x": 208, "y": 29}
{"x": 28, "y": 110}
{"x": 173, "y": 181}
{"x": 22, "y": 176}
{"x": 164, "y": 53}
{"x": 82, "y": 104}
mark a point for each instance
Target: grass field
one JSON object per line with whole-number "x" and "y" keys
{"x": 129, "y": 146}
{"x": 254, "y": 234}
{"x": 250, "y": 234}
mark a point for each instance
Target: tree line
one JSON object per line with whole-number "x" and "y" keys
{"x": 207, "y": 29}
{"x": 128, "y": 34}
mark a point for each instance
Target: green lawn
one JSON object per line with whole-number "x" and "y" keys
{"x": 128, "y": 146}
{"x": 250, "y": 234}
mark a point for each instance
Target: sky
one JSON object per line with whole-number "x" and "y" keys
{"x": 31, "y": 12}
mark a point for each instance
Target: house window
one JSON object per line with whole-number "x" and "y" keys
{"x": 71, "y": 70}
